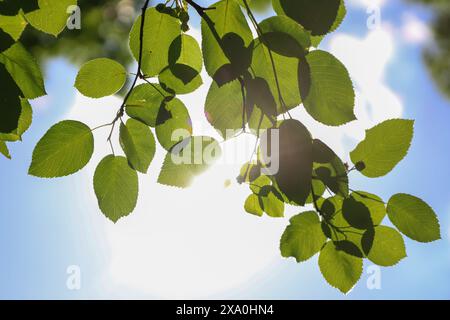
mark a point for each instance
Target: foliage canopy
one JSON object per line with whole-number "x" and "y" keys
{"x": 257, "y": 80}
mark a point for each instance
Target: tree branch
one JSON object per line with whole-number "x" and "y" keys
{"x": 138, "y": 74}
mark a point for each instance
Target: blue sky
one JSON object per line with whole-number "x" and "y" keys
{"x": 48, "y": 225}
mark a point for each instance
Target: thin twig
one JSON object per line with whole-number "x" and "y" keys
{"x": 272, "y": 61}
{"x": 138, "y": 75}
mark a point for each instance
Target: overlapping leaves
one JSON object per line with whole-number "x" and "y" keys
{"x": 257, "y": 79}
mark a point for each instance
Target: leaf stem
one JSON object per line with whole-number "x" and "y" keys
{"x": 138, "y": 75}
{"x": 272, "y": 61}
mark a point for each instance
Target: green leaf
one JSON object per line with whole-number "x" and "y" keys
{"x": 10, "y": 103}
{"x": 286, "y": 71}
{"x": 271, "y": 201}
{"x": 388, "y": 247}
{"x": 340, "y": 269}
{"x": 13, "y": 25}
{"x": 384, "y": 147}
{"x": 319, "y": 189}
{"x": 252, "y": 205}
{"x": 260, "y": 104}
{"x": 329, "y": 168}
{"x": 357, "y": 206}
{"x": 24, "y": 69}
{"x": 318, "y": 16}
{"x": 160, "y": 30}
{"x": 225, "y": 38}
{"x": 295, "y": 159}
{"x": 373, "y": 203}
{"x": 326, "y": 88}
{"x": 138, "y": 143}
{"x": 413, "y": 217}
{"x": 173, "y": 123}
{"x": 144, "y": 102}
{"x": 65, "y": 149}
{"x": 259, "y": 183}
{"x": 249, "y": 172}
{"x": 116, "y": 187}
{"x": 24, "y": 123}
{"x": 342, "y": 11}
{"x": 51, "y": 17}
{"x": 4, "y": 149}
{"x": 100, "y": 77}
{"x": 224, "y": 107}
{"x": 182, "y": 75}
{"x": 303, "y": 238}
{"x": 356, "y": 214}
{"x": 188, "y": 159}
{"x": 284, "y": 36}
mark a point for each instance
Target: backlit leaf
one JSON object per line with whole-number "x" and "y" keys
{"x": 384, "y": 147}
{"x": 341, "y": 270}
{"x": 116, "y": 187}
{"x": 225, "y": 38}
{"x": 326, "y": 88}
{"x": 138, "y": 143}
{"x": 173, "y": 123}
{"x": 160, "y": 30}
{"x": 65, "y": 149}
{"x": 252, "y": 206}
{"x": 188, "y": 159}
{"x": 100, "y": 77}
{"x": 51, "y": 17}
{"x": 413, "y": 217}
{"x": 145, "y": 101}
{"x": 303, "y": 238}
{"x": 388, "y": 247}
{"x": 318, "y": 16}
{"x": 24, "y": 69}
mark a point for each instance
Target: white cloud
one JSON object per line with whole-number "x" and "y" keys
{"x": 414, "y": 30}
{"x": 367, "y": 3}
{"x": 198, "y": 242}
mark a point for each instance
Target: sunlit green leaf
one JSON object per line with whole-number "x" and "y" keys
{"x": 303, "y": 238}
{"x": 24, "y": 69}
{"x": 13, "y": 25}
{"x": 160, "y": 30}
{"x": 145, "y": 101}
{"x": 65, "y": 149}
{"x": 340, "y": 269}
{"x": 384, "y": 147}
{"x": 116, "y": 187}
{"x": 182, "y": 75}
{"x": 173, "y": 123}
{"x": 224, "y": 107}
{"x": 51, "y": 17}
{"x": 286, "y": 74}
{"x": 188, "y": 159}
{"x": 284, "y": 36}
{"x": 271, "y": 201}
{"x": 329, "y": 168}
{"x": 4, "y": 149}
{"x": 252, "y": 205}
{"x": 413, "y": 217}
{"x": 326, "y": 88}
{"x": 388, "y": 247}
{"x": 100, "y": 77}
{"x": 138, "y": 143}
{"x": 225, "y": 38}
